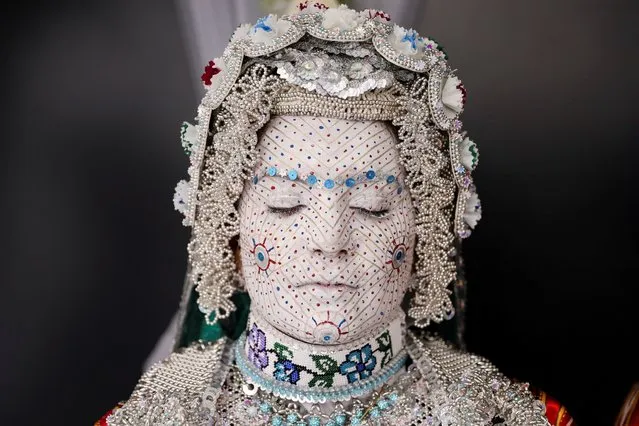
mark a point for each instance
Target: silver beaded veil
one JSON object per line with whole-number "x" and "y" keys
{"x": 335, "y": 63}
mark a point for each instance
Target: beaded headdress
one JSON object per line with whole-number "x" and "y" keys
{"x": 335, "y": 63}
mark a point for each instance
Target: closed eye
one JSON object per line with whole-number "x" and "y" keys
{"x": 374, "y": 213}
{"x": 285, "y": 211}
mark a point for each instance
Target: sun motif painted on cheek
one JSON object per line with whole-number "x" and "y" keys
{"x": 398, "y": 256}
{"x": 262, "y": 256}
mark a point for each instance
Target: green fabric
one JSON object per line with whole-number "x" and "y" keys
{"x": 195, "y": 327}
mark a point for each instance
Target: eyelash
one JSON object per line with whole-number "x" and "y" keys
{"x": 285, "y": 211}
{"x": 375, "y": 213}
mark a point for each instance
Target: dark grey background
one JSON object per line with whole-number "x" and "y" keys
{"x": 93, "y": 254}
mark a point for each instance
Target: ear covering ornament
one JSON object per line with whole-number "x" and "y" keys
{"x": 335, "y": 63}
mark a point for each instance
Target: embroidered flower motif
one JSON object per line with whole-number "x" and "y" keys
{"x": 309, "y": 6}
{"x": 359, "y": 364}
{"x": 267, "y": 28}
{"x": 469, "y": 154}
{"x": 376, "y": 15}
{"x": 430, "y": 45}
{"x": 454, "y": 95}
{"x": 182, "y": 191}
{"x": 472, "y": 213}
{"x": 407, "y": 42}
{"x": 242, "y": 32}
{"x": 209, "y": 71}
{"x": 213, "y": 72}
{"x": 188, "y": 137}
{"x": 342, "y": 18}
{"x": 257, "y": 348}
{"x": 286, "y": 371}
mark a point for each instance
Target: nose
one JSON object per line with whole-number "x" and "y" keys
{"x": 332, "y": 243}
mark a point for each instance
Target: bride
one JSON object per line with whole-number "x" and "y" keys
{"x": 329, "y": 189}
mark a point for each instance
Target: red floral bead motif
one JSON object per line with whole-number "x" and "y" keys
{"x": 209, "y": 71}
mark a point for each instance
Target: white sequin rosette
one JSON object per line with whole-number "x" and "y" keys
{"x": 336, "y": 63}
{"x": 464, "y": 157}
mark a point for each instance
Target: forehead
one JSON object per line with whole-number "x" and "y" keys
{"x": 328, "y": 146}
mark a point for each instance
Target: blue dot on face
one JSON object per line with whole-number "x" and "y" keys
{"x": 329, "y": 183}
{"x": 350, "y": 182}
{"x": 390, "y": 179}
{"x": 327, "y": 338}
{"x": 292, "y": 174}
{"x": 312, "y": 180}
{"x": 255, "y": 179}
{"x": 260, "y": 257}
{"x": 399, "y": 190}
{"x": 272, "y": 171}
{"x": 370, "y": 174}
{"x": 399, "y": 255}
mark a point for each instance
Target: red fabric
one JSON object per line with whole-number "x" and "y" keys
{"x": 103, "y": 419}
{"x": 555, "y": 412}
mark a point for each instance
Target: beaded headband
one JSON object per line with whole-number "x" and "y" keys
{"x": 337, "y": 63}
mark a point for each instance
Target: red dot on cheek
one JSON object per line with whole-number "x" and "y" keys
{"x": 272, "y": 187}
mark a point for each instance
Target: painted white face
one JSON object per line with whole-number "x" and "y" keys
{"x": 326, "y": 242}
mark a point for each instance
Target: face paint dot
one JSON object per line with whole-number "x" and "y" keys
{"x": 329, "y": 183}
{"x": 350, "y": 182}
{"x": 370, "y": 174}
{"x": 292, "y": 174}
{"x": 390, "y": 179}
{"x": 272, "y": 171}
{"x": 312, "y": 180}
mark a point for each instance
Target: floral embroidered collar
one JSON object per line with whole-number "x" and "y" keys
{"x": 282, "y": 365}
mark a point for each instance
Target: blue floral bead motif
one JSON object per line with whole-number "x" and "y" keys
{"x": 340, "y": 419}
{"x": 286, "y": 371}
{"x": 393, "y": 396}
{"x": 314, "y": 421}
{"x": 311, "y": 179}
{"x": 277, "y": 421}
{"x": 390, "y": 179}
{"x": 375, "y": 413}
{"x": 330, "y": 423}
{"x": 383, "y": 404}
{"x": 292, "y": 174}
{"x": 291, "y": 418}
{"x": 359, "y": 364}
{"x": 329, "y": 183}
{"x": 272, "y": 171}
{"x": 350, "y": 182}
{"x": 265, "y": 407}
{"x": 370, "y": 174}
{"x": 460, "y": 169}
